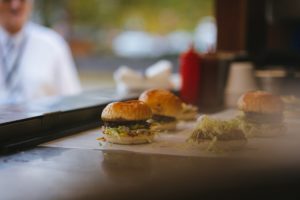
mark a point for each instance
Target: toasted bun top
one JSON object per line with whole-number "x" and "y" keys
{"x": 162, "y": 102}
{"x": 126, "y": 111}
{"x": 260, "y": 102}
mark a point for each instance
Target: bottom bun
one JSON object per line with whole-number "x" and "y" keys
{"x": 189, "y": 116}
{"x": 141, "y": 139}
{"x": 169, "y": 126}
{"x": 189, "y": 112}
{"x": 231, "y": 145}
{"x": 263, "y": 130}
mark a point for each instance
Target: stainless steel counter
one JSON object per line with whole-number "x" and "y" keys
{"x": 58, "y": 173}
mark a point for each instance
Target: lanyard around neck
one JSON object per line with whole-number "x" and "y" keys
{"x": 16, "y": 63}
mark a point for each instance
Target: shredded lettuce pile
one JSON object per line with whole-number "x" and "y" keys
{"x": 116, "y": 131}
{"x": 126, "y": 131}
{"x": 216, "y": 126}
{"x": 212, "y": 128}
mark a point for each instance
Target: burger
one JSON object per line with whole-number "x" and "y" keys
{"x": 165, "y": 107}
{"x": 126, "y": 122}
{"x": 218, "y": 135}
{"x": 262, "y": 114}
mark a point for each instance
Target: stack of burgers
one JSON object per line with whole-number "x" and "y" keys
{"x": 137, "y": 121}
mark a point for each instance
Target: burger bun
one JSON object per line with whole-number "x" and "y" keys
{"x": 126, "y": 111}
{"x": 260, "y": 102}
{"x": 139, "y": 139}
{"x": 162, "y": 102}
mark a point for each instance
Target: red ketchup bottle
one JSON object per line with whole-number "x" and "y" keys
{"x": 190, "y": 75}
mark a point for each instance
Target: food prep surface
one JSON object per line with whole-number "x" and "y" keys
{"x": 81, "y": 167}
{"x": 61, "y": 173}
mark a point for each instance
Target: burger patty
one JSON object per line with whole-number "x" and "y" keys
{"x": 234, "y": 134}
{"x": 125, "y": 130}
{"x": 112, "y": 124}
{"x": 162, "y": 118}
{"x": 253, "y": 117}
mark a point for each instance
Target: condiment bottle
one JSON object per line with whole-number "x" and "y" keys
{"x": 190, "y": 63}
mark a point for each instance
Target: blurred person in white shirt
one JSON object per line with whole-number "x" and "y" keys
{"x": 35, "y": 61}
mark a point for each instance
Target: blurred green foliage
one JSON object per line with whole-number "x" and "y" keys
{"x": 160, "y": 16}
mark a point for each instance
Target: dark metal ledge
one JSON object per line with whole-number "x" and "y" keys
{"x": 36, "y": 122}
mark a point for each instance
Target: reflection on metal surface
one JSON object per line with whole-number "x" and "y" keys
{"x": 14, "y": 112}
{"x": 117, "y": 164}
